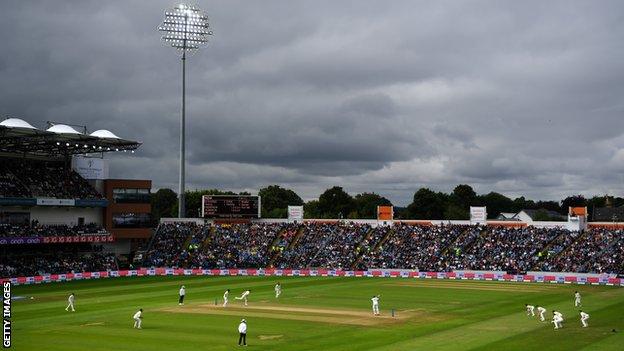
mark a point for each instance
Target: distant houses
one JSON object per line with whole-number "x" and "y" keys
{"x": 529, "y": 216}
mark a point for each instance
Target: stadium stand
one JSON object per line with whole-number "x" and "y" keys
{"x": 39, "y": 184}
{"x": 415, "y": 247}
{"x": 595, "y": 250}
{"x": 31, "y": 178}
{"x": 56, "y": 261}
{"x": 361, "y": 246}
{"x": 505, "y": 249}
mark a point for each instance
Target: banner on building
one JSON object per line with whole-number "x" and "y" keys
{"x": 105, "y": 238}
{"x": 55, "y": 202}
{"x": 295, "y": 213}
{"x": 478, "y": 215}
{"x": 18, "y": 240}
{"x": 90, "y": 167}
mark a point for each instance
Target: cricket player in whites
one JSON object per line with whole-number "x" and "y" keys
{"x": 577, "y": 299}
{"x": 530, "y": 310}
{"x": 375, "y": 301}
{"x": 584, "y": 318}
{"x": 138, "y": 316}
{"x": 70, "y": 301}
{"x": 244, "y": 296}
{"x": 182, "y": 293}
{"x": 226, "y": 295}
{"x": 557, "y": 319}
{"x": 278, "y": 290}
{"x": 541, "y": 311}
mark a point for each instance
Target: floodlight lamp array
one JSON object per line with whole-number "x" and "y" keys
{"x": 185, "y": 28}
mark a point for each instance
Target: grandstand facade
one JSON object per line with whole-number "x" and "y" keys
{"x": 57, "y": 204}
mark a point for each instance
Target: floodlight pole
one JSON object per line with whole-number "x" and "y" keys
{"x": 181, "y": 197}
{"x": 185, "y": 28}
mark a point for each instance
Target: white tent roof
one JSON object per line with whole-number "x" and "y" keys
{"x": 16, "y": 123}
{"x": 62, "y": 129}
{"x": 103, "y": 133}
{"x": 18, "y": 136}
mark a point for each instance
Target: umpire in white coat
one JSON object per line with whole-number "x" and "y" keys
{"x": 242, "y": 331}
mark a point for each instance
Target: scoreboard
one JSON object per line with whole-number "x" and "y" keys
{"x": 231, "y": 206}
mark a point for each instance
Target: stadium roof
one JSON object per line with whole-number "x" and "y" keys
{"x": 20, "y": 137}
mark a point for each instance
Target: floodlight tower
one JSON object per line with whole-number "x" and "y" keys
{"x": 186, "y": 29}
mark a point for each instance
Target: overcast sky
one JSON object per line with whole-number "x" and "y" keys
{"x": 519, "y": 97}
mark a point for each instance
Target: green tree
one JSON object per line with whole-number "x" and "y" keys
{"x": 573, "y": 201}
{"x": 366, "y": 204}
{"x": 336, "y": 203}
{"x": 456, "y": 212}
{"x": 520, "y": 203}
{"x": 496, "y": 203}
{"x": 548, "y": 205}
{"x": 401, "y": 212}
{"x": 311, "y": 209}
{"x": 163, "y": 203}
{"x": 542, "y": 215}
{"x": 594, "y": 203}
{"x": 275, "y": 201}
{"x": 427, "y": 204}
{"x": 276, "y": 213}
{"x": 463, "y": 196}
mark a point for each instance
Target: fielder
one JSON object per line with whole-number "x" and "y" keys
{"x": 541, "y": 311}
{"x": 278, "y": 290}
{"x": 530, "y": 310}
{"x": 137, "y": 318}
{"x": 226, "y": 294}
{"x": 244, "y": 296}
{"x": 70, "y": 301}
{"x": 375, "y": 301}
{"x": 182, "y": 294}
{"x": 577, "y": 299}
{"x": 584, "y": 318}
{"x": 557, "y": 319}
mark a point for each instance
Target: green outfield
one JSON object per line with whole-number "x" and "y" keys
{"x": 313, "y": 313}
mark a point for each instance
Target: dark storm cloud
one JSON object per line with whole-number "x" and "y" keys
{"x": 522, "y": 98}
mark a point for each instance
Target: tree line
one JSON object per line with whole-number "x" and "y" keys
{"x": 335, "y": 202}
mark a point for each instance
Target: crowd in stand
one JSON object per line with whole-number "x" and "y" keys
{"x": 310, "y": 240}
{"x": 611, "y": 259}
{"x": 362, "y": 246}
{"x": 595, "y": 250}
{"x": 415, "y": 247}
{"x": 507, "y": 249}
{"x": 216, "y": 246}
{"x": 57, "y": 263}
{"x": 31, "y": 178}
{"x": 369, "y": 245}
{"x": 350, "y": 246}
{"x": 240, "y": 245}
{"x": 10, "y": 186}
{"x": 36, "y": 229}
{"x": 324, "y": 245}
{"x": 341, "y": 249}
{"x": 167, "y": 245}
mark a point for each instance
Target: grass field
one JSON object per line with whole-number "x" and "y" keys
{"x": 313, "y": 313}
